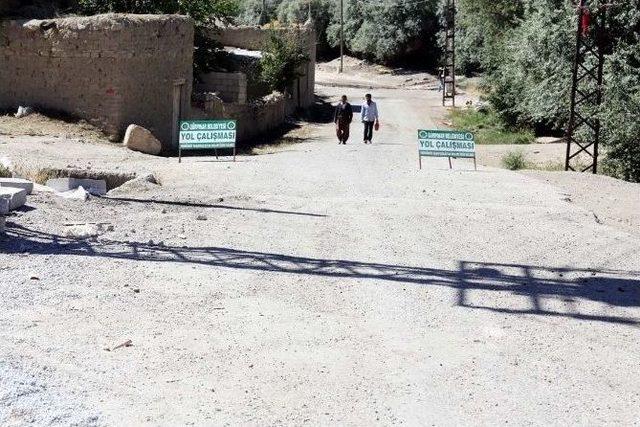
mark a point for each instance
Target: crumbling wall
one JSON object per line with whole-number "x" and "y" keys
{"x": 255, "y": 38}
{"x": 112, "y": 70}
{"x": 231, "y": 87}
{"x": 257, "y": 117}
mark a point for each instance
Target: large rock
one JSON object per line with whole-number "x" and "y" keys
{"x": 140, "y": 139}
{"x": 17, "y": 183}
{"x": 17, "y": 196}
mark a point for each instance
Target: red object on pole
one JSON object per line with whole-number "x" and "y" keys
{"x": 585, "y": 22}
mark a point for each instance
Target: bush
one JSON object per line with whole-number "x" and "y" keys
{"x": 488, "y": 128}
{"x": 514, "y": 160}
{"x": 5, "y": 172}
{"x": 282, "y": 57}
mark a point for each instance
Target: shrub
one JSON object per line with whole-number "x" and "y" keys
{"x": 4, "y": 171}
{"x": 514, "y": 160}
{"x": 282, "y": 57}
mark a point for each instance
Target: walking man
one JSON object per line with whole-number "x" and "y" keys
{"x": 342, "y": 117}
{"x": 369, "y": 113}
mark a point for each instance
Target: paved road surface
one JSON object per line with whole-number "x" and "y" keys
{"x": 328, "y": 285}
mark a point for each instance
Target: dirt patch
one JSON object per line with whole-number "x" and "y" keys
{"x": 47, "y": 125}
{"x": 611, "y": 201}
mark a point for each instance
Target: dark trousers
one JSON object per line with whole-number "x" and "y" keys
{"x": 368, "y": 131}
{"x": 342, "y": 130}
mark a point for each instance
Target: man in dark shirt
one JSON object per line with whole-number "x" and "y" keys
{"x": 342, "y": 118}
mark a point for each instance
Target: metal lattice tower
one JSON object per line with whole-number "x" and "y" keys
{"x": 449, "y": 90}
{"x": 583, "y": 133}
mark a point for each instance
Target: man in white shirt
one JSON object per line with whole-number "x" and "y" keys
{"x": 369, "y": 114}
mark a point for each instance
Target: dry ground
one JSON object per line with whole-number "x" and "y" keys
{"x": 322, "y": 284}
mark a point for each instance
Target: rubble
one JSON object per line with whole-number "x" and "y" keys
{"x": 78, "y": 194}
{"x": 96, "y": 187}
{"x": 140, "y": 139}
{"x": 137, "y": 185}
{"x": 23, "y": 112}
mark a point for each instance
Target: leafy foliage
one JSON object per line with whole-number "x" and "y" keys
{"x": 381, "y": 30}
{"x": 388, "y": 30}
{"x": 282, "y": 57}
{"x": 526, "y": 47}
{"x": 5, "y": 172}
{"x": 514, "y": 160}
{"x": 322, "y": 12}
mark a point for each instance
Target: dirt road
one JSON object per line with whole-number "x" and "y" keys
{"x": 321, "y": 284}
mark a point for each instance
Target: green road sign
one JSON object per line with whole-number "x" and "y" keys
{"x": 445, "y": 143}
{"x": 207, "y": 134}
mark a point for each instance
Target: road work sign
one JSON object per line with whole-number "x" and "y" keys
{"x": 446, "y": 143}
{"x": 206, "y": 135}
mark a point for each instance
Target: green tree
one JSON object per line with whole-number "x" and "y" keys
{"x": 389, "y": 30}
{"x": 282, "y": 57}
{"x": 297, "y": 12}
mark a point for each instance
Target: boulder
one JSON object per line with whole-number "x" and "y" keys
{"x": 140, "y": 139}
{"x": 17, "y": 183}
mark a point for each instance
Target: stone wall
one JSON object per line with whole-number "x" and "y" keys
{"x": 230, "y": 87}
{"x": 257, "y": 117}
{"x": 112, "y": 70}
{"x": 255, "y": 38}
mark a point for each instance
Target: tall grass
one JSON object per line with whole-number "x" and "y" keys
{"x": 488, "y": 128}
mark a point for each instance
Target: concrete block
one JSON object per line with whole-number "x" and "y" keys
{"x": 17, "y": 183}
{"x": 97, "y": 187}
{"x": 17, "y": 196}
{"x": 4, "y": 206}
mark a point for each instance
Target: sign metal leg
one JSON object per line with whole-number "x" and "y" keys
{"x": 450, "y": 166}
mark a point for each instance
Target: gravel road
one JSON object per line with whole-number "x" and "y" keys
{"x": 320, "y": 284}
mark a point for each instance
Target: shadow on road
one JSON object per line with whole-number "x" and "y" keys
{"x": 561, "y": 292}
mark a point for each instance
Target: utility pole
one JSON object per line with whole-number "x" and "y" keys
{"x": 449, "y": 77}
{"x": 263, "y": 13}
{"x": 341, "y": 35}
{"x": 583, "y": 132}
